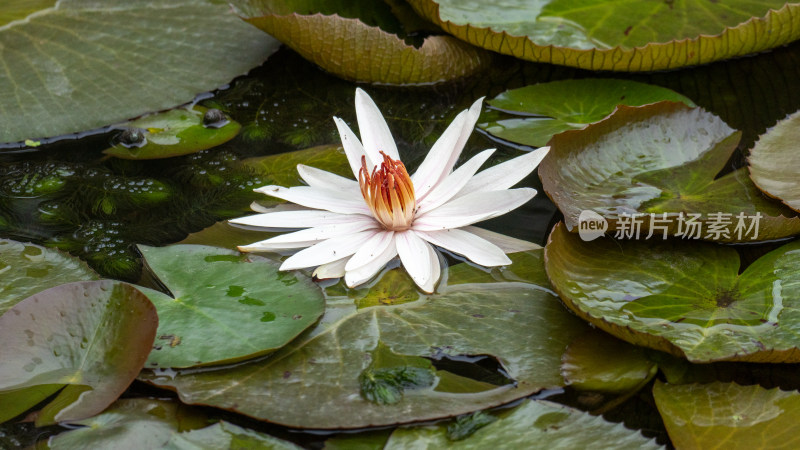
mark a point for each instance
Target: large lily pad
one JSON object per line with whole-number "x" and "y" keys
{"x": 316, "y": 381}
{"x": 26, "y": 269}
{"x": 681, "y": 297}
{"x": 350, "y": 48}
{"x": 83, "y": 64}
{"x": 152, "y": 424}
{"x": 90, "y": 338}
{"x": 775, "y": 162}
{"x": 534, "y": 424}
{"x": 176, "y": 132}
{"x": 726, "y": 415}
{"x": 617, "y": 35}
{"x": 226, "y": 306}
{"x": 654, "y": 169}
{"x": 539, "y": 111}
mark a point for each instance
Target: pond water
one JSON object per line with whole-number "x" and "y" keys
{"x": 67, "y": 195}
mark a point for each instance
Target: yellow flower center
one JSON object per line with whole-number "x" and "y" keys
{"x": 389, "y": 193}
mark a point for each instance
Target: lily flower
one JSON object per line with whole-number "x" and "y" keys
{"x": 354, "y": 228}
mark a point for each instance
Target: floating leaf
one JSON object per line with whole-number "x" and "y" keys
{"x": 540, "y": 111}
{"x": 618, "y": 35}
{"x": 598, "y": 362}
{"x": 282, "y": 168}
{"x": 654, "y": 168}
{"x": 176, "y": 132}
{"x": 685, "y": 298}
{"x": 90, "y": 338}
{"x": 147, "y": 423}
{"x": 389, "y": 375}
{"x": 314, "y": 381}
{"x": 726, "y": 415}
{"x": 354, "y": 50}
{"x": 774, "y": 162}
{"x": 127, "y": 59}
{"x": 26, "y": 269}
{"x": 226, "y": 307}
{"x": 535, "y": 423}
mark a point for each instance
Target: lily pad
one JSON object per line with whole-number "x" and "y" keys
{"x": 282, "y": 168}
{"x": 26, "y": 269}
{"x": 176, "y": 132}
{"x": 314, "y": 382}
{"x": 600, "y": 363}
{"x": 726, "y": 415}
{"x": 225, "y": 306}
{"x": 774, "y": 162}
{"x": 535, "y": 423}
{"x": 352, "y": 49}
{"x": 127, "y": 60}
{"x": 539, "y": 111}
{"x": 90, "y": 338}
{"x": 618, "y": 35}
{"x": 684, "y": 298}
{"x": 652, "y": 171}
{"x": 147, "y": 423}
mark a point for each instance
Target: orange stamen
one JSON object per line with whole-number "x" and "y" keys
{"x": 389, "y": 193}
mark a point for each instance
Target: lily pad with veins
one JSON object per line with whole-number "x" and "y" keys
{"x": 685, "y": 298}
{"x": 775, "y": 162}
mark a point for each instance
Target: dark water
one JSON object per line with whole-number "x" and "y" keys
{"x": 66, "y": 195}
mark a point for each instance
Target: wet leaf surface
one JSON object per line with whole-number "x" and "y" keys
{"x": 26, "y": 269}
{"x": 685, "y": 298}
{"x": 314, "y": 381}
{"x": 531, "y": 115}
{"x": 174, "y": 133}
{"x": 617, "y": 35}
{"x": 655, "y": 169}
{"x": 90, "y": 338}
{"x": 535, "y": 423}
{"x": 226, "y": 306}
{"x": 103, "y": 75}
{"x": 774, "y": 162}
{"x": 727, "y": 415}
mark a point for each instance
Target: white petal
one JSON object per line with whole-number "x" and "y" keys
{"x": 507, "y": 174}
{"x": 415, "y": 254}
{"x": 474, "y": 248}
{"x": 257, "y": 207}
{"x": 327, "y": 251}
{"x": 445, "y": 152}
{"x": 352, "y": 146}
{"x": 374, "y": 131}
{"x": 325, "y": 180}
{"x": 473, "y": 208}
{"x": 294, "y": 219}
{"x": 364, "y": 273}
{"x": 330, "y": 270}
{"x": 454, "y": 182}
{"x": 312, "y": 197}
{"x": 436, "y": 272}
{"x": 266, "y": 246}
{"x": 321, "y": 233}
{"x": 506, "y": 243}
{"x": 370, "y": 250}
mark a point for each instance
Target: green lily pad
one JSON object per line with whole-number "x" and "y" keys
{"x": 148, "y": 423}
{"x": 726, "y": 415}
{"x": 352, "y": 49}
{"x": 535, "y": 423}
{"x": 224, "y": 235}
{"x": 90, "y": 338}
{"x": 127, "y": 59}
{"x": 314, "y": 382}
{"x": 685, "y": 298}
{"x": 174, "y": 133}
{"x": 565, "y": 105}
{"x": 774, "y": 162}
{"x": 19, "y": 9}
{"x": 654, "y": 169}
{"x": 282, "y": 168}
{"x": 600, "y": 363}
{"x": 618, "y": 35}
{"x": 225, "y": 306}
{"x": 26, "y": 269}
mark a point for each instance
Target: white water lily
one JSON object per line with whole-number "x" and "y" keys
{"x": 354, "y": 228}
